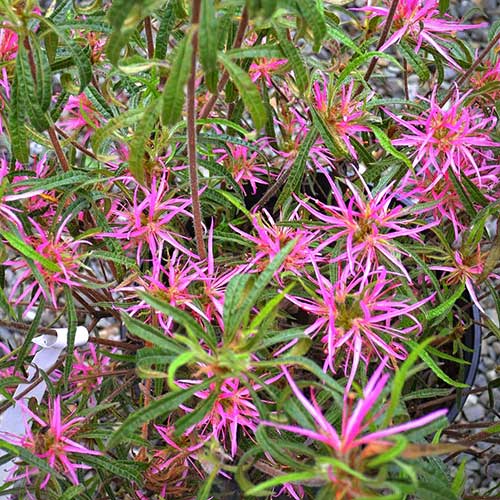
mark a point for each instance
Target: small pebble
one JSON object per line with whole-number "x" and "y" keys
{"x": 489, "y": 363}
{"x": 474, "y": 412}
{"x": 491, "y": 375}
{"x": 496, "y": 348}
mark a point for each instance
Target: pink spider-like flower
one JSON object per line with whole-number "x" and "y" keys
{"x": 80, "y": 114}
{"x": 35, "y": 200}
{"x": 7, "y": 212}
{"x": 264, "y": 68}
{"x": 344, "y": 113}
{"x": 62, "y": 251}
{"x": 53, "y": 442}
{"x": 170, "y": 283}
{"x": 354, "y": 443}
{"x": 360, "y": 318}
{"x": 86, "y": 372}
{"x": 145, "y": 222}
{"x": 466, "y": 269}
{"x": 271, "y": 238}
{"x": 4, "y": 95}
{"x": 420, "y": 21}
{"x": 447, "y": 137}
{"x": 8, "y": 44}
{"x": 370, "y": 226}
{"x": 442, "y": 196}
{"x": 490, "y": 73}
{"x": 215, "y": 279}
{"x": 243, "y": 164}
{"x": 172, "y": 468}
{"x": 233, "y": 409}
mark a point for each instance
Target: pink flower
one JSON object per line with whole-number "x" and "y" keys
{"x": 244, "y": 165}
{"x": 490, "y": 74}
{"x": 175, "y": 466}
{"x": 271, "y": 238}
{"x": 264, "y": 68}
{"x": 8, "y": 44}
{"x": 80, "y": 114}
{"x": 466, "y": 268}
{"x": 4, "y": 95}
{"x": 170, "y": 283}
{"x": 233, "y": 409}
{"x": 344, "y": 114}
{"x": 369, "y": 225}
{"x": 447, "y": 137}
{"x": 360, "y": 318}
{"x": 59, "y": 248}
{"x": 419, "y": 20}
{"x": 355, "y": 442}
{"x": 446, "y": 202}
{"x": 215, "y": 279}
{"x": 53, "y": 442}
{"x": 86, "y": 372}
{"x": 146, "y": 221}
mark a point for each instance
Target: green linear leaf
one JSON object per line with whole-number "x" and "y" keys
{"x": 386, "y": 143}
{"x": 72, "y": 325}
{"x": 315, "y": 18}
{"x": 157, "y": 408}
{"x": 445, "y": 307}
{"x": 429, "y": 361}
{"x": 269, "y": 50}
{"x": 294, "y": 58}
{"x": 181, "y": 317}
{"x": 118, "y": 468}
{"x": 208, "y": 44}
{"x": 167, "y": 22}
{"x": 43, "y": 77}
{"x": 417, "y": 63}
{"x": 80, "y": 58}
{"x": 332, "y": 142}
{"x": 195, "y": 416}
{"x": 151, "y": 334}
{"x": 141, "y": 136}
{"x": 17, "y": 131}
{"x": 464, "y": 197}
{"x": 17, "y": 243}
{"x": 249, "y": 299}
{"x": 29, "y": 458}
{"x": 248, "y": 91}
{"x": 298, "y": 168}
{"x": 173, "y": 94}
{"x": 30, "y": 335}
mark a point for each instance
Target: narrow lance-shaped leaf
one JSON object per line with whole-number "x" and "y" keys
{"x": 43, "y": 77}
{"x": 157, "y": 408}
{"x": 208, "y": 44}
{"x": 294, "y": 58}
{"x": 173, "y": 94}
{"x": 118, "y": 14}
{"x": 17, "y": 243}
{"x": 27, "y": 87}
{"x": 167, "y": 22}
{"x": 17, "y": 131}
{"x": 248, "y": 91}
{"x": 78, "y": 55}
{"x": 250, "y": 298}
{"x": 298, "y": 168}
{"x": 315, "y": 18}
{"x": 139, "y": 141}
{"x": 72, "y": 324}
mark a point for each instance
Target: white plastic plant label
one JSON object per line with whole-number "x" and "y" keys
{"x": 12, "y": 421}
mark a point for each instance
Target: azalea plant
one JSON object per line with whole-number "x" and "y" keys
{"x": 282, "y": 268}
